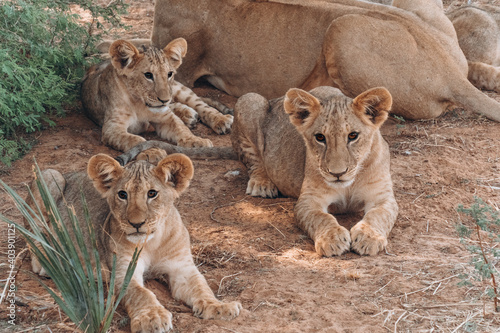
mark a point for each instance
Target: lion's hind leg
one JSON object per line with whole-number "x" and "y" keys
{"x": 247, "y": 140}
{"x": 55, "y": 183}
{"x": 484, "y": 76}
{"x": 170, "y": 127}
{"x": 220, "y": 123}
{"x": 259, "y": 184}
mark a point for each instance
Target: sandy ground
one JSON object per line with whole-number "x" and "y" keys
{"x": 250, "y": 249}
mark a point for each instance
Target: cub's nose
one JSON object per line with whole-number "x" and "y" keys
{"x": 136, "y": 225}
{"x": 164, "y": 101}
{"x": 338, "y": 175}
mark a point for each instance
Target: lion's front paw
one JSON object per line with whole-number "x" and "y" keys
{"x": 155, "y": 319}
{"x": 258, "y": 187}
{"x": 195, "y": 142}
{"x": 366, "y": 240}
{"x": 222, "y": 123}
{"x": 214, "y": 309}
{"x": 189, "y": 117}
{"x": 333, "y": 241}
{"x": 36, "y": 267}
{"x": 187, "y": 114}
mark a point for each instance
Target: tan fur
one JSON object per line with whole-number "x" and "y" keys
{"x": 299, "y": 145}
{"x": 430, "y": 11}
{"x": 133, "y": 206}
{"x": 268, "y": 47}
{"x": 136, "y": 89}
{"x": 478, "y": 30}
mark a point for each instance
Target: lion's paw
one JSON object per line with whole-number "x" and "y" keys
{"x": 152, "y": 155}
{"x": 222, "y": 123}
{"x": 155, "y": 319}
{"x": 36, "y": 267}
{"x": 261, "y": 188}
{"x": 194, "y": 142}
{"x": 366, "y": 240}
{"x": 214, "y": 309}
{"x": 190, "y": 118}
{"x": 333, "y": 241}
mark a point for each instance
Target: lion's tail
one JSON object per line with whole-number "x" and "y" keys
{"x": 484, "y": 76}
{"x": 466, "y": 95}
{"x": 211, "y": 153}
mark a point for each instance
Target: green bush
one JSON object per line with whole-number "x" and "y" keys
{"x": 82, "y": 288}
{"x": 482, "y": 240}
{"x": 44, "y": 52}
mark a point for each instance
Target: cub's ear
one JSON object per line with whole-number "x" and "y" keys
{"x": 176, "y": 169}
{"x": 373, "y": 106}
{"x": 301, "y": 106}
{"x": 175, "y": 51}
{"x": 123, "y": 55}
{"x": 104, "y": 172}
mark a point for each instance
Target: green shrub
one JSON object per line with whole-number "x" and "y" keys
{"x": 44, "y": 52}
{"x": 482, "y": 240}
{"x": 80, "y": 286}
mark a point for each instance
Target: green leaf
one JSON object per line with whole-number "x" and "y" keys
{"x": 60, "y": 247}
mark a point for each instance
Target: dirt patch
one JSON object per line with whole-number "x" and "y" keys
{"x": 251, "y": 250}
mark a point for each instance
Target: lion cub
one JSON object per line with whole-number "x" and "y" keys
{"x": 138, "y": 210}
{"x": 326, "y": 150}
{"x": 136, "y": 89}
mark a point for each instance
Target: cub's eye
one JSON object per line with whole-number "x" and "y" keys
{"x": 152, "y": 194}
{"x": 170, "y": 74}
{"x": 352, "y": 136}
{"x": 122, "y": 195}
{"x": 148, "y": 75}
{"x": 320, "y": 137}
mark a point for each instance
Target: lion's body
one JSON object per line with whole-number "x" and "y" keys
{"x": 279, "y": 147}
{"x": 133, "y": 207}
{"x": 118, "y": 96}
{"x": 268, "y": 47}
{"x": 478, "y": 31}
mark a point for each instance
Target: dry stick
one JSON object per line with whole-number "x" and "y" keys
{"x": 426, "y": 144}
{"x": 10, "y": 277}
{"x": 430, "y": 285}
{"x": 397, "y": 321}
{"x": 230, "y": 330}
{"x": 435, "y": 291}
{"x": 466, "y": 320}
{"x": 277, "y": 229}
{"x": 385, "y": 285}
{"x": 33, "y": 328}
{"x": 435, "y": 306}
{"x": 493, "y": 282}
{"x": 220, "y": 283}
{"x": 225, "y": 205}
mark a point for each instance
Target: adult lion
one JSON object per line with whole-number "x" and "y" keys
{"x": 134, "y": 206}
{"x": 268, "y": 47}
{"x": 478, "y": 31}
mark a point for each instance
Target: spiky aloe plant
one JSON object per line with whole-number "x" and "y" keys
{"x": 81, "y": 287}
